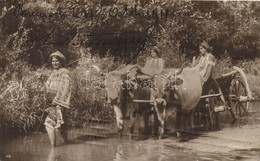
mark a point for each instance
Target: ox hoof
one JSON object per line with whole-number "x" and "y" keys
{"x": 178, "y": 134}
{"x": 182, "y": 139}
{"x": 120, "y": 132}
{"x": 120, "y": 135}
{"x": 130, "y": 137}
{"x": 160, "y": 136}
{"x": 161, "y": 132}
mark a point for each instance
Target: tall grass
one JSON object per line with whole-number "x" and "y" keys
{"x": 22, "y": 96}
{"x": 22, "y": 100}
{"x": 251, "y": 69}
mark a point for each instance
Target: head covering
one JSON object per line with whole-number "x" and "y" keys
{"x": 206, "y": 46}
{"x": 58, "y": 54}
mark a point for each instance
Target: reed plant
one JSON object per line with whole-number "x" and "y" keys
{"x": 252, "y": 69}
{"x": 89, "y": 95}
{"x": 22, "y": 100}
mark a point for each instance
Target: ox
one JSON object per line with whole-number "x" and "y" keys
{"x": 176, "y": 89}
{"x": 120, "y": 94}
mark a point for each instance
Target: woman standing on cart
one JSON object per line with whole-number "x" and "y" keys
{"x": 58, "y": 98}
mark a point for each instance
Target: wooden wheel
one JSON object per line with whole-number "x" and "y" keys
{"x": 213, "y": 117}
{"x": 238, "y": 97}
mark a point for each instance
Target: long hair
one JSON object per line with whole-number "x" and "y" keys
{"x": 206, "y": 46}
{"x": 156, "y": 50}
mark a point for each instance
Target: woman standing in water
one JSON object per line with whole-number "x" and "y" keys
{"x": 58, "y": 98}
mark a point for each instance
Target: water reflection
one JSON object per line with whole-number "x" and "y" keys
{"x": 250, "y": 118}
{"x": 52, "y": 155}
{"x": 36, "y": 147}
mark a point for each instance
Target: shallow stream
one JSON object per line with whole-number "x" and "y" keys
{"x": 100, "y": 143}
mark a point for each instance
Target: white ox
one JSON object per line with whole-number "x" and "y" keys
{"x": 176, "y": 89}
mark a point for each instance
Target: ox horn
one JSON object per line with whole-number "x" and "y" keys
{"x": 136, "y": 67}
{"x": 182, "y": 67}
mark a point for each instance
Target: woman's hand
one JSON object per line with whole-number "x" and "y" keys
{"x": 139, "y": 67}
{"x": 58, "y": 107}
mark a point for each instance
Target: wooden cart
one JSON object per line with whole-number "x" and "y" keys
{"x": 237, "y": 95}
{"x": 233, "y": 86}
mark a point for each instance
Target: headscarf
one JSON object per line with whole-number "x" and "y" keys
{"x": 60, "y": 56}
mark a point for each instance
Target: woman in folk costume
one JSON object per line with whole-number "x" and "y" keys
{"x": 206, "y": 61}
{"x": 58, "y": 97}
{"x": 154, "y": 65}
{"x": 206, "y": 64}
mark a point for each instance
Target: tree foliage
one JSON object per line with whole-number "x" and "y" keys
{"x": 126, "y": 29}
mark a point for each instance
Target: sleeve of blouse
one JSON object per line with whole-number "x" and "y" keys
{"x": 147, "y": 63}
{"x": 162, "y": 64}
{"x": 63, "y": 95}
{"x": 209, "y": 67}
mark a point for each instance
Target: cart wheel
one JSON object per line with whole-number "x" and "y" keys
{"x": 238, "y": 97}
{"x": 213, "y": 117}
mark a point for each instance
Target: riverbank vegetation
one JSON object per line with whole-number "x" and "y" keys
{"x": 110, "y": 34}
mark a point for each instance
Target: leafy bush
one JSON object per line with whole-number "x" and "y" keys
{"x": 252, "y": 70}
{"x": 22, "y": 100}
{"x": 88, "y": 102}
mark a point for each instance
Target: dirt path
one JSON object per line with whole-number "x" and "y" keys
{"x": 240, "y": 143}
{"x": 226, "y": 140}
{"x": 236, "y": 143}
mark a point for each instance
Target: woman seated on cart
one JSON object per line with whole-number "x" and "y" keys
{"x": 154, "y": 65}
{"x": 206, "y": 63}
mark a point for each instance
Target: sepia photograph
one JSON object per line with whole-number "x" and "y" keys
{"x": 129, "y": 80}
